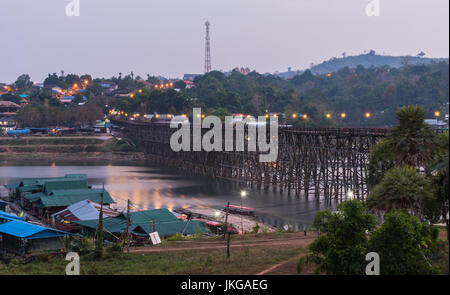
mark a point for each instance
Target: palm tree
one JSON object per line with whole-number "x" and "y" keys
{"x": 412, "y": 140}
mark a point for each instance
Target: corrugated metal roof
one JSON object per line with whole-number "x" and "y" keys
{"x": 85, "y": 210}
{"x": 145, "y": 216}
{"x": 9, "y": 216}
{"x": 167, "y": 224}
{"x": 29, "y": 188}
{"x": 65, "y": 185}
{"x": 42, "y": 180}
{"x": 12, "y": 185}
{"x": 34, "y": 197}
{"x": 69, "y": 199}
{"x": 166, "y": 229}
{"x": 22, "y": 229}
{"x": 111, "y": 224}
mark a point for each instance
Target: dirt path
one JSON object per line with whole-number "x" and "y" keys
{"x": 272, "y": 268}
{"x": 194, "y": 245}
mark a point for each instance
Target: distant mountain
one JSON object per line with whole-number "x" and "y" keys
{"x": 366, "y": 60}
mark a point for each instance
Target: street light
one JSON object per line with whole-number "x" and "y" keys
{"x": 328, "y": 116}
{"x": 343, "y": 115}
{"x": 350, "y": 194}
{"x": 243, "y": 195}
{"x": 294, "y": 115}
{"x": 305, "y": 116}
{"x": 437, "y": 114}
{"x": 367, "y": 115}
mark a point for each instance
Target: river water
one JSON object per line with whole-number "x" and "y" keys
{"x": 149, "y": 187}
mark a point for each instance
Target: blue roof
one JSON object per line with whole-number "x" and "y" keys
{"x": 9, "y": 216}
{"x": 22, "y": 229}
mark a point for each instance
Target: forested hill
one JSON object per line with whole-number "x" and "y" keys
{"x": 368, "y": 60}
{"x": 378, "y": 90}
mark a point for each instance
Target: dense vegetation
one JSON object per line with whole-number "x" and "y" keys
{"x": 354, "y": 91}
{"x": 380, "y": 91}
{"x": 409, "y": 182}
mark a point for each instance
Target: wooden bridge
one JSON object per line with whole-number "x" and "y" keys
{"x": 320, "y": 162}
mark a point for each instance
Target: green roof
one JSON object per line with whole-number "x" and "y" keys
{"x": 167, "y": 224}
{"x": 166, "y": 229}
{"x": 12, "y": 185}
{"x": 111, "y": 224}
{"x": 37, "y": 180}
{"x": 64, "y": 185}
{"x": 145, "y": 216}
{"x": 63, "y": 200}
{"x": 31, "y": 183}
{"x": 34, "y": 197}
{"x": 29, "y": 188}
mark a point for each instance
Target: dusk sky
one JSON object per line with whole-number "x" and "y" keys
{"x": 167, "y": 37}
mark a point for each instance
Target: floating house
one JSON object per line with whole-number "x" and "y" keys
{"x": 83, "y": 210}
{"x": 20, "y": 237}
{"x": 52, "y": 201}
{"x": 143, "y": 223}
{"x": 34, "y": 185}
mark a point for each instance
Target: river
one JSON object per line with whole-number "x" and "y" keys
{"x": 149, "y": 187}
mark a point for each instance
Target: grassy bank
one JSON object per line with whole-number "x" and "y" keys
{"x": 243, "y": 260}
{"x": 70, "y": 147}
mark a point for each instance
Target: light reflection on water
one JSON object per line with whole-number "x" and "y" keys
{"x": 156, "y": 187}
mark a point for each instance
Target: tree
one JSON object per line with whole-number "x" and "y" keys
{"x": 411, "y": 143}
{"x": 23, "y": 82}
{"x": 401, "y": 188}
{"x": 412, "y": 140}
{"x": 404, "y": 244}
{"x": 11, "y": 97}
{"x": 381, "y": 159}
{"x": 342, "y": 247}
{"x": 438, "y": 208}
{"x": 73, "y": 79}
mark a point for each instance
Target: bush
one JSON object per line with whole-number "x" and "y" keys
{"x": 82, "y": 245}
{"x": 406, "y": 246}
{"x": 342, "y": 247}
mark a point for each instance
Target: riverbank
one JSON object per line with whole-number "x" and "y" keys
{"x": 102, "y": 147}
{"x": 243, "y": 223}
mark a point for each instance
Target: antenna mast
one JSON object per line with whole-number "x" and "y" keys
{"x": 207, "y": 49}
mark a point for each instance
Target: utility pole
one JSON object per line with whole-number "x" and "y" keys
{"x": 99, "y": 242}
{"x": 226, "y": 232}
{"x": 128, "y": 226}
{"x": 242, "y": 218}
{"x": 226, "y": 220}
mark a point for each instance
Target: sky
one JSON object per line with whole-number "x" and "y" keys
{"x": 167, "y": 37}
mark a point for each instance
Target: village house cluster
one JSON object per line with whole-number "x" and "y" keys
{"x": 51, "y": 209}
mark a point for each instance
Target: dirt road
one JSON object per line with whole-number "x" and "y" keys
{"x": 285, "y": 242}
